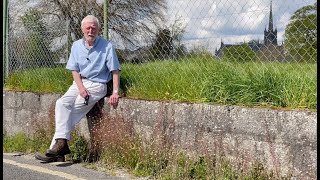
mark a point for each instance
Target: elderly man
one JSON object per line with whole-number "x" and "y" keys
{"x": 93, "y": 62}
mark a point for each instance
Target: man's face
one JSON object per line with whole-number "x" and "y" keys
{"x": 90, "y": 31}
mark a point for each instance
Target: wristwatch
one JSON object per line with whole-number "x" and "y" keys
{"x": 115, "y": 91}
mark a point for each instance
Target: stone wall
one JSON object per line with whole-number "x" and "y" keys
{"x": 283, "y": 140}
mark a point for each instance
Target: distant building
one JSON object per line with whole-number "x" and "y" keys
{"x": 270, "y": 36}
{"x": 269, "y": 49}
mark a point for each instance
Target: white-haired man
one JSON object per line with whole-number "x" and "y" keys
{"x": 93, "y": 62}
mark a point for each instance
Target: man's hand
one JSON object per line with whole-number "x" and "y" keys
{"x": 84, "y": 92}
{"x": 114, "y": 100}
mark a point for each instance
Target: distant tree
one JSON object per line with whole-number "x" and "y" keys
{"x": 238, "y": 53}
{"x": 301, "y": 34}
{"x": 199, "y": 50}
{"x": 167, "y": 42}
{"x": 128, "y": 20}
{"x": 163, "y": 44}
{"x": 177, "y": 30}
{"x": 36, "y": 47}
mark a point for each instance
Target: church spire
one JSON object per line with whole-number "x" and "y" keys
{"x": 270, "y": 18}
{"x": 270, "y": 36}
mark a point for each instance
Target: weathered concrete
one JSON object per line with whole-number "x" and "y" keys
{"x": 284, "y": 141}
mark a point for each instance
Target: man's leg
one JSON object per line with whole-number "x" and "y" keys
{"x": 97, "y": 91}
{"x": 70, "y": 109}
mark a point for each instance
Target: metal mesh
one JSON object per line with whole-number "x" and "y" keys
{"x": 256, "y": 31}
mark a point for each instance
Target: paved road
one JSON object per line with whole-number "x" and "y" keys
{"x": 26, "y": 167}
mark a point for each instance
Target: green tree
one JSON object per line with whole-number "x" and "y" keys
{"x": 301, "y": 34}
{"x": 167, "y": 43}
{"x": 177, "y": 29}
{"x": 163, "y": 44}
{"x": 36, "y": 50}
{"x": 238, "y": 53}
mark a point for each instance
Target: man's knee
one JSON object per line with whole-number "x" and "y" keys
{"x": 61, "y": 103}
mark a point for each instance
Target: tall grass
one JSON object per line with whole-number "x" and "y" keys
{"x": 285, "y": 85}
{"x": 119, "y": 146}
{"x": 40, "y": 142}
{"x": 51, "y": 80}
{"x": 198, "y": 80}
{"x": 20, "y": 142}
{"x": 147, "y": 160}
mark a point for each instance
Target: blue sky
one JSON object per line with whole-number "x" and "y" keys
{"x": 233, "y": 21}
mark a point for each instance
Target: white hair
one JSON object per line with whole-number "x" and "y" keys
{"x": 90, "y": 18}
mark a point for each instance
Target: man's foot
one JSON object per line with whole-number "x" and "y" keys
{"x": 59, "y": 148}
{"x": 49, "y": 159}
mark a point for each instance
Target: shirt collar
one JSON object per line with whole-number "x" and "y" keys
{"x": 94, "y": 44}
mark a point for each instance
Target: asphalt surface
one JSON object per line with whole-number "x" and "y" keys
{"x": 17, "y": 166}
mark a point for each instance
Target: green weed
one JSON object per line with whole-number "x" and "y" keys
{"x": 17, "y": 143}
{"x": 79, "y": 148}
{"x": 149, "y": 161}
{"x": 199, "y": 80}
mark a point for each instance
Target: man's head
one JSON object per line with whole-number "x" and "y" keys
{"x": 90, "y": 28}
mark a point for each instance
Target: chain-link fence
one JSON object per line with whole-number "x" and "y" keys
{"x": 257, "y": 33}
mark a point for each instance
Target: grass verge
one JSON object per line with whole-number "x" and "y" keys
{"x": 197, "y": 80}
{"x": 150, "y": 160}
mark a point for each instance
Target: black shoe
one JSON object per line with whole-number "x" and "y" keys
{"x": 49, "y": 159}
{"x": 59, "y": 148}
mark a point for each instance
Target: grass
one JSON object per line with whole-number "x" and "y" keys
{"x": 149, "y": 160}
{"x": 51, "y": 80}
{"x": 121, "y": 148}
{"x": 22, "y": 143}
{"x": 159, "y": 163}
{"x": 201, "y": 80}
{"x": 154, "y": 162}
{"x": 277, "y": 85}
{"x": 197, "y": 80}
{"x": 40, "y": 142}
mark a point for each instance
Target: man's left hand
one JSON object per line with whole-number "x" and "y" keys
{"x": 114, "y": 100}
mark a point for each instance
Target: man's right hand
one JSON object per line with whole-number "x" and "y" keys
{"x": 84, "y": 92}
{"x": 77, "y": 78}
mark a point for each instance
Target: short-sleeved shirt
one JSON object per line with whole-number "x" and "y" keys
{"x": 94, "y": 63}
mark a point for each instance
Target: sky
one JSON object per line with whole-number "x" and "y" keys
{"x": 207, "y": 22}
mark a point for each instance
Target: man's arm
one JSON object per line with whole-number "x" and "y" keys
{"x": 77, "y": 78}
{"x": 116, "y": 81}
{"x": 114, "y": 98}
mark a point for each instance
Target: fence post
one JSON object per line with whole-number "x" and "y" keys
{"x": 4, "y": 46}
{"x": 105, "y": 19}
{"x": 68, "y": 38}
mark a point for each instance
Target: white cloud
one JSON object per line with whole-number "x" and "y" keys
{"x": 284, "y": 19}
{"x": 202, "y": 33}
{"x": 209, "y": 21}
{"x": 212, "y": 9}
{"x": 212, "y": 24}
